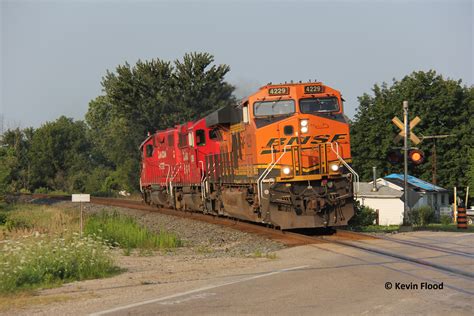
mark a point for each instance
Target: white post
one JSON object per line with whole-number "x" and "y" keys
{"x": 81, "y": 218}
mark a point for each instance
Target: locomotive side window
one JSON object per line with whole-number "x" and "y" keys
{"x": 182, "y": 140}
{"x": 214, "y": 134}
{"x": 317, "y": 105}
{"x": 245, "y": 113}
{"x": 170, "y": 140}
{"x": 149, "y": 150}
{"x": 200, "y": 137}
{"x": 272, "y": 108}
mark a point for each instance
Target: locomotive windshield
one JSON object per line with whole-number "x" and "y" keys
{"x": 272, "y": 108}
{"x": 315, "y": 105}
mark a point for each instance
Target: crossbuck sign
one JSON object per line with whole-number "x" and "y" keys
{"x": 400, "y": 125}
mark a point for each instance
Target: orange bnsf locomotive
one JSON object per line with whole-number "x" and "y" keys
{"x": 280, "y": 157}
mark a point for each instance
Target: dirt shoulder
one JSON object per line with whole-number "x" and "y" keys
{"x": 209, "y": 252}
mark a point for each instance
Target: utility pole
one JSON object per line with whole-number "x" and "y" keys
{"x": 434, "y": 161}
{"x": 406, "y": 145}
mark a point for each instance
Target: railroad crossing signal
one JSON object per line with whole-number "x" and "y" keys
{"x": 416, "y": 156}
{"x": 400, "y": 125}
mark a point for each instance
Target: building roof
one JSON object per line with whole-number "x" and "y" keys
{"x": 365, "y": 190}
{"x": 414, "y": 183}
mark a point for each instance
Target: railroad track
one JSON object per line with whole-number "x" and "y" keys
{"x": 339, "y": 237}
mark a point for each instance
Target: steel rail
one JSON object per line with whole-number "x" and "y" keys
{"x": 285, "y": 237}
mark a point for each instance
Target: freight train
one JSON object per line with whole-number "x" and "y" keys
{"x": 280, "y": 157}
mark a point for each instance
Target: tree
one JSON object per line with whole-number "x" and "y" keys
{"x": 8, "y": 163}
{"x": 444, "y": 106}
{"x": 59, "y": 155}
{"x": 19, "y": 141}
{"x": 149, "y": 96}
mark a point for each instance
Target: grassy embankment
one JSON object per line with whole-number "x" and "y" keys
{"x": 40, "y": 246}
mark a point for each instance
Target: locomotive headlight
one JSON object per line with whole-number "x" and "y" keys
{"x": 304, "y": 123}
{"x": 334, "y": 167}
{"x": 304, "y": 129}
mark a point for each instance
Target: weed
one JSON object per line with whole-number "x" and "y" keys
{"x": 203, "y": 249}
{"x": 34, "y": 262}
{"x": 259, "y": 254}
{"x": 125, "y": 232}
{"x": 446, "y": 220}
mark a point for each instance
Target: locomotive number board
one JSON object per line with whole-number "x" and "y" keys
{"x": 279, "y": 91}
{"x": 313, "y": 89}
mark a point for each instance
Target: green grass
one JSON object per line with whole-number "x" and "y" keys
{"x": 259, "y": 254}
{"x": 446, "y": 228}
{"x": 125, "y": 232}
{"x": 35, "y": 262}
{"x": 378, "y": 228}
{"x": 428, "y": 227}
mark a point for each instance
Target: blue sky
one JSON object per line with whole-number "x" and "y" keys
{"x": 54, "y": 53}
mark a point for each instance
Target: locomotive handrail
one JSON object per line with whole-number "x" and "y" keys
{"x": 267, "y": 171}
{"x": 203, "y": 179}
{"x": 167, "y": 176}
{"x": 356, "y": 176}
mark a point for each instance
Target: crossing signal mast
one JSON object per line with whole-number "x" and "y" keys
{"x": 414, "y": 155}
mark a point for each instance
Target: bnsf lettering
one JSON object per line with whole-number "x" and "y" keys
{"x": 320, "y": 139}
{"x": 313, "y": 140}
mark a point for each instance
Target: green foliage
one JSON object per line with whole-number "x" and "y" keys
{"x": 146, "y": 97}
{"x": 379, "y": 228}
{"x": 444, "y": 106}
{"x": 3, "y": 217}
{"x": 102, "y": 157}
{"x": 421, "y": 216}
{"x": 364, "y": 216}
{"x": 8, "y": 163}
{"x": 59, "y": 155}
{"x": 33, "y": 263}
{"x": 18, "y": 143}
{"x": 446, "y": 220}
{"x": 124, "y": 231}
{"x": 470, "y": 173}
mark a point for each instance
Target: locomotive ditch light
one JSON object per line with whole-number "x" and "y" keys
{"x": 416, "y": 156}
{"x": 286, "y": 172}
{"x": 334, "y": 167}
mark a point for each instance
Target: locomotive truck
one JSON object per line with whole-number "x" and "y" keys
{"x": 280, "y": 157}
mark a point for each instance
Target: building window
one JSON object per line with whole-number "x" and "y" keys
{"x": 443, "y": 199}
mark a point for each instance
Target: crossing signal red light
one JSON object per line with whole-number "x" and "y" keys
{"x": 395, "y": 156}
{"x": 416, "y": 156}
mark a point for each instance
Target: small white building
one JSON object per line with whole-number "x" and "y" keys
{"x": 388, "y": 197}
{"x": 384, "y": 200}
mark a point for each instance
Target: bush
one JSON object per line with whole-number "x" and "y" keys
{"x": 3, "y": 217}
{"x": 364, "y": 216}
{"x": 446, "y": 220}
{"x": 422, "y": 216}
{"x": 124, "y": 231}
{"x": 42, "y": 190}
{"x": 33, "y": 263}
